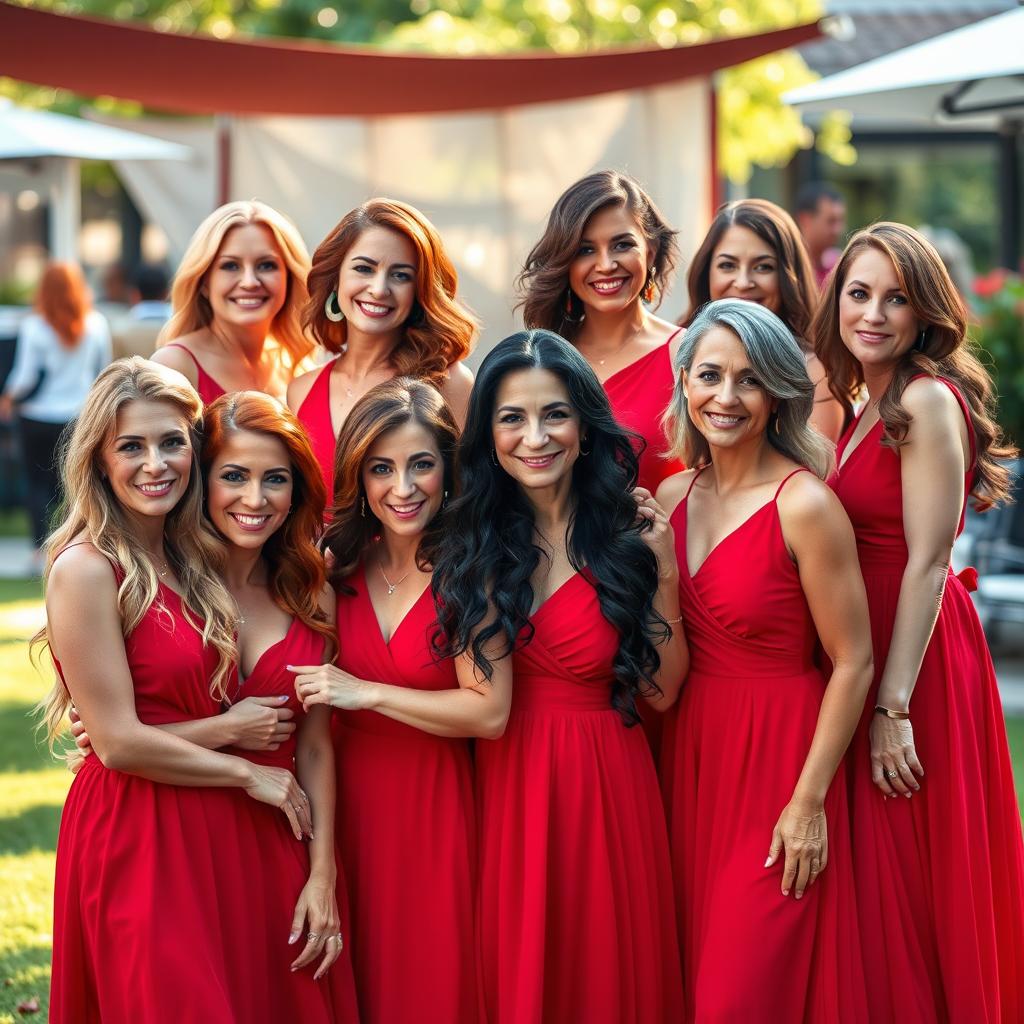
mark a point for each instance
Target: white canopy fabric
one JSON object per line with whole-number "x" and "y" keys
{"x": 38, "y": 133}
{"x": 971, "y": 76}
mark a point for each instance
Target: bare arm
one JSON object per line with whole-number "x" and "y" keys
{"x": 456, "y": 389}
{"x": 177, "y": 359}
{"x": 299, "y": 388}
{"x": 255, "y": 723}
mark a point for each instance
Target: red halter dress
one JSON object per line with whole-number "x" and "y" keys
{"x": 208, "y": 388}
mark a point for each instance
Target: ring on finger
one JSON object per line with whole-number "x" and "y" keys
{"x": 312, "y": 936}
{"x": 892, "y": 774}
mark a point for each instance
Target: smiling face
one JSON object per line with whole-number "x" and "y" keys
{"x": 613, "y": 261}
{"x": 536, "y": 428}
{"x": 725, "y": 399}
{"x": 876, "y": 322}
{"x": 744, "y": 266}
{"x": 247, "y": 283}
{"x": 148, "y": 460}
{"x": 249, "y": 488}
{"x": 377, "y": 281}
{"x": 403, "y": 479}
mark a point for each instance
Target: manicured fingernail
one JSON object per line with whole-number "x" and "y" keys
{"x": 785, "y": 892}
{"x": 799, "y": 895}
{"x": 293, "y": 938}
{"x": 283, "y": 698}
{"x": 768, "y": 862}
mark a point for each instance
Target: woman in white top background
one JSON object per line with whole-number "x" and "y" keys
{"x": 60, "y": 350}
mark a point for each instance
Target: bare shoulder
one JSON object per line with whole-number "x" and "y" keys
{"x": 805, "y": 502}
{"x": 459, "y": 380}
{"x": 672, "y": 489}
{"x": 675, "y": 342}
{"x": 81, "y": 576}
{"x": 300, "y": 387}
{"x": 328, "y": 602}
{"x": 176, "y": 358}
{"x": 930, "y": 399}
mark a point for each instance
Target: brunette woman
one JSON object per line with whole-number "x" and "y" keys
{"x": 144, "y": 636}
{"x": 767, "y": 566}
{"x": 548, "y": 569}
{"x": 940, "y": 883}
{"x": 605, "y": 256}
{"x": 754, "y": 251}
{"x": 61, "y": 349}
{"x": 382, "y": 296}
{"x": 406, "y": 827}
{"x": 236, "y": 301}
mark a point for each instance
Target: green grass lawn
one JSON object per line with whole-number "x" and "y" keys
{"x": 32, "y": 790}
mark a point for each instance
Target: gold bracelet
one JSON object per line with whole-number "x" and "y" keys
{"x": 879, "y": 710}
{"x": 674, "y": 622}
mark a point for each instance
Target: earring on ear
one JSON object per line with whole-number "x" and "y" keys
{"x": 332, "y": 310}
{"x": 921, "y": 339}
{"x": 585, "y": 451}
{"x": 362, "y": 507}
{"x": 444, "y": 499}
{"x": 571, "y": 316}
{"x": 776, "y": 424}
{"x": 648, "y": 293}
{"x": 494, "y": 456}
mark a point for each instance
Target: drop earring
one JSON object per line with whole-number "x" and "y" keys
{"x": 332, "y": 310}
{"x": 571, "y": 316}
{"x": 494, "y": 456}
{"x": 921, "y": 339}
{"x": 648, "y": 293}
{"x": 362, "y": 507}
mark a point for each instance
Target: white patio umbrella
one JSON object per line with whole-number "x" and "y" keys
{"x": 62, "y": 141}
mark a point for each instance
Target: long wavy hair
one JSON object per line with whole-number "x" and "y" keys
{"x": 546, "y": 300}
{"x": 192, "y": 310}
{"x": 297, "y": 572}
{"x": 779, "y": 363}
{"x": 90, "y": 511}
{"x": 63, "y": 301}
{"x": 486, "y": 553}
{"x": 440, "y": 331}
{"x": 797, "y": 290}
{"x": 383, "y": 408}
{"x": 945, "y": 352}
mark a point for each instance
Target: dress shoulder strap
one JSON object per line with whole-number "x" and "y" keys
{"x": 693, "y": 480}
{"x": 188, "y": 352}
{"x": 787, "y": 478}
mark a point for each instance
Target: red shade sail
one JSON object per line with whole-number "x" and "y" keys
{"x": 201, "y": 75}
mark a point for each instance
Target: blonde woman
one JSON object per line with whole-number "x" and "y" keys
{"x": 237, "y": 299}
{"x": 142, "y": 635}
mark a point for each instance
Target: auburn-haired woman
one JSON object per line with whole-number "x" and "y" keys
{"x": 605, "y": 256}
{"x": 753, "y": 250}
{"x": 382, "y": 295}
{"x": 142, "y": 633}
{"x": 405, "y": 793}
{"x": 936, "y": 829}
{"x": 767, "y": 567}
{"x": 237, "y": 299}
{"x": 61, "y": 348}
{"x": 554, "y": 572}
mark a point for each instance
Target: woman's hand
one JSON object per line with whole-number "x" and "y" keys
{"x": 895, "y": 768}
{"x": 660, "y": 538}
{"x": 279, "y": 788}
{"x": 328, "y": 684}
{"x": 260, "y": 723}
{"x": 316, "y": 914}
{"x": 803, "y": 833}
{"x": 80, "y": 735}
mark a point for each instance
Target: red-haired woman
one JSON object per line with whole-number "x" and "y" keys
{"x": 61, "y": 349}
{"x": 753, "y": 251}
{"x": 936, "y": 830}
{"x": 606, "y": 251}
{"x": 382, "y": 296}
{"x": 405, "y": 792}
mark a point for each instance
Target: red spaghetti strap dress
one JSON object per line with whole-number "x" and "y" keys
{"x": 208, "y": 388}
{"x": 406, "y": 830}
{"x": 162, "y": 892}
{"x": 639, "y": 394}
{"x": 734, "y": 748}
{"x": 576, "y": 918}
{"x": 940, "y": 877}
{"x": 315, "y": 415}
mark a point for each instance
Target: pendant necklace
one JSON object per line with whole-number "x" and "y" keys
{"x": 391, "y": 586}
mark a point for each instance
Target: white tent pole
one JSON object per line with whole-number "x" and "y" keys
{"x": 65, "y": 210}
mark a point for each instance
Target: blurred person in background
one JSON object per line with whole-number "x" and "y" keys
{"x": 135, "y": 333}
{"x": 821, "y": 217}
{"x": 61, "y": 349}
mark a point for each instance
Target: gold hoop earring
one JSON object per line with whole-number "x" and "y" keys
{"x": 494, "y": 456}
{"x": 332, "y": 310}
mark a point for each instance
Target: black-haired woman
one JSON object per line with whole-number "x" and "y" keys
{"x": 556, "y": 563}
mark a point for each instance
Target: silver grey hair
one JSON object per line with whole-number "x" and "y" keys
{"x": 780, "y": 365}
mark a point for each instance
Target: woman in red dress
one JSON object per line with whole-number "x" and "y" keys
{"x": 767, "y": 566}
{"x": 547, "y": 574}
{"x": 754, "y": 251}
{"x": 236, "y": 299}
{"x": 940, "y": 865}
{"x": 144, "y": 636}
{"x": 382, "y": 296}
{"x": 406, "y": 824}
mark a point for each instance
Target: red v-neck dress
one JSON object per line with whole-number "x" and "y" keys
{"x": 639, "y": 394}
{"x": 940, "y": 877}
{"x": 174, "y": 903}
{"x": 406, "y": 830}
{"x": 734, "y": 749}
{"x": 209, "y": 390}
{"x": 576, "y": 892}
{"x": 314, "y": 414}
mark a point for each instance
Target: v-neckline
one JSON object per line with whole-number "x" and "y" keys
{"x": 684, "y": 505}
{"x": 401, "y": 622}
{"x": 848, "y": 452}
{"x": 259, "y": 660}
{"x": 554, "y": 593}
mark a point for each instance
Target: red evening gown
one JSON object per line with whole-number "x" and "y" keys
{"x": 406, "y": 830}
{"x": 315, "y": 415}
{"x": 206, "y": 386}
{"x": 174, "y": 903}
{"x": 576, "y": 891}
{"x": 940, "y": 877}
{"x": 734, "y": 749}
